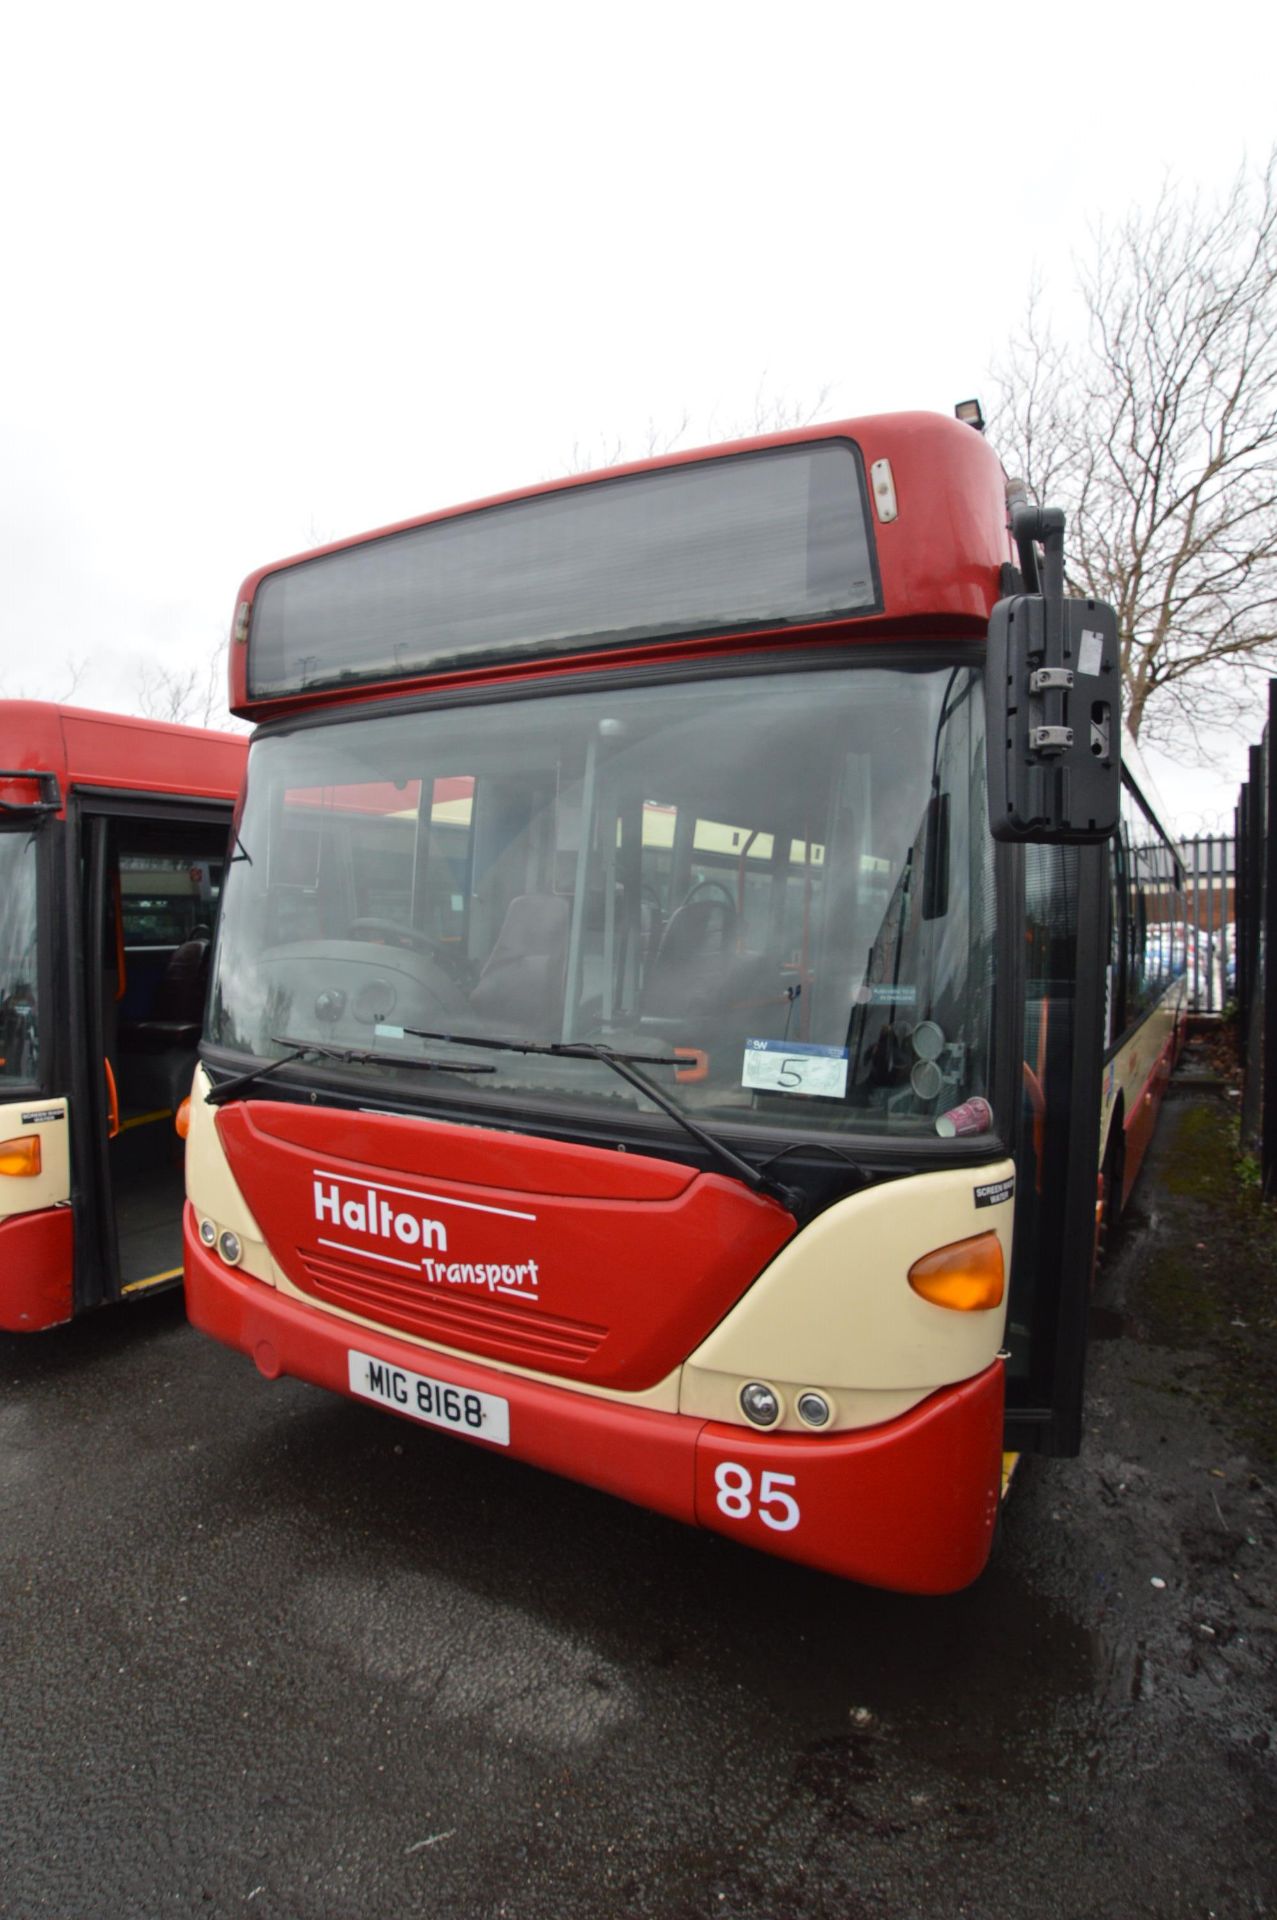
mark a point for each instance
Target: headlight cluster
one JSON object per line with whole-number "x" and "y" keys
{"x": 763, "y": 1406}
{"x": 226, "y": 1242}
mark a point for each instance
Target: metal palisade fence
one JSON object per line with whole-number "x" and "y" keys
{"x": 1256, "y": 908}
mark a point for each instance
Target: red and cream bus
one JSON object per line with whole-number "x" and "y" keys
{"x": 113, "y": 841}
{"x": 658, "y": 1020}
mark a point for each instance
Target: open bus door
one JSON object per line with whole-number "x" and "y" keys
{"x": 1053, "y": 681}
{"x": 1066, "y": 893}
{"x": 149, "y": 879}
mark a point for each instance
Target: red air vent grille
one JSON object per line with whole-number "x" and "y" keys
{"x": 473, "y": 1322}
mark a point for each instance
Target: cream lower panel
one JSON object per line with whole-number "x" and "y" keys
{"x": 716, "y": 1396}
{"x": 212, "y": 1190}
{"x": 51, "y": 1187}
{"x": 835, "y": 1310}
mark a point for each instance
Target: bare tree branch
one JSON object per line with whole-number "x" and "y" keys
{"x": 72, "y": 671}
{"x": 1158, "y": 435}
{"x": 768, "y": 415}
{"x": 167, "y": 693}
{"x": 188, "y": 696}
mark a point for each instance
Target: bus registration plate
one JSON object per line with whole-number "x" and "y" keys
{"x": 484, "y": 1416}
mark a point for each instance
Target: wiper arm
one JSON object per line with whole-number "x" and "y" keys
{"x": 349, "y": 1056}
{"x": 561, "y": 1049}
{"x": 626, "y": 1065}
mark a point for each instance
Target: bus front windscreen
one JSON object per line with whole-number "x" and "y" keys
{"x": 19, "y": 1037}
{"x": 781, "y": 881}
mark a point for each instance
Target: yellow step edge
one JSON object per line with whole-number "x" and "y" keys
{"x": 152, "y": 1280}
{"x": 146, "y": 1119}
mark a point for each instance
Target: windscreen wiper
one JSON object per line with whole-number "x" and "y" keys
{"x": 626, "y": 1065}
{"x": 319, "y": 1050}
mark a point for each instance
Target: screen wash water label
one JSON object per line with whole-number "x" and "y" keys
{"x": 995, "y": 1192}
{"x": 793, "y": 1066}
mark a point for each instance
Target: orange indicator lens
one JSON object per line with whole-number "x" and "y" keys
{"x": 21, "y": 1156}
{"x": 966, "y": 1276}
{"x": 182, "y": 1118}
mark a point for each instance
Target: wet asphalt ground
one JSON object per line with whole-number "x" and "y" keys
{"x": 266, "y": 1652}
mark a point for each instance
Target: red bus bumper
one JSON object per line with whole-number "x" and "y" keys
{"x": 36, "y": 1251}
{"x": 909, "y": 1505}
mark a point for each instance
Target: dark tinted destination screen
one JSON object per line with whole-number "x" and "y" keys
{"x": 750, "y": 540}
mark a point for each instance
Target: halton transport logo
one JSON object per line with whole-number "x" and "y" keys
{"x": 396, "y": 1217}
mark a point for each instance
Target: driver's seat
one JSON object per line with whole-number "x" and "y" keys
{"x": 521, "y": 984}
{"x": 693, "y": 961}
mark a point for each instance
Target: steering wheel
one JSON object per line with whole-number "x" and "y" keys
{"x": 393, "y": 933}
{"x": 706, "y": 886}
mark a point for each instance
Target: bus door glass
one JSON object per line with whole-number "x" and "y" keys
{"x": 153, "y": 891}
{"x": 19, "y": 1026}
{"x": 1067, "y": 998}
{"x": 33, "y": 1155}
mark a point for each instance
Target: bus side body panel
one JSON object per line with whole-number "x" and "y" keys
{"x": 85, "y": 748}
{"x": 35, "y": 1270}
{"x": 36, "y": 1235}
{"x": 1139, "y": 1074}
{"x": 1149, "y": 932}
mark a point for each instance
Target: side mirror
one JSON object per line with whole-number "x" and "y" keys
{"x": 1054, "y": 691}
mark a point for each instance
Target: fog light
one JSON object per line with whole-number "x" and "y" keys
{"x": 760, "y": 1404}
{"x": 230, "y": 1249}
{"x": 814, "y": 1409}
{"x": 208, "y": 1233}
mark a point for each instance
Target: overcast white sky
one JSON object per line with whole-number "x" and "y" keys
{"x": 278, "y": 273}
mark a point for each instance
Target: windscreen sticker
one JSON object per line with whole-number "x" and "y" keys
{"x": 45, "y": 1113}
{"x": 885, "y": 993}
{"x": 996, "y": 1192}
{"x": 793, "y": 1066}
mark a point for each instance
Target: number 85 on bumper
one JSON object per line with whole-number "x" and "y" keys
{"x": 767, "y": 1497}
{"x": 782, "y": 1495}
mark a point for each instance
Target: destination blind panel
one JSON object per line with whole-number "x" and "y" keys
{"x": 767, "y": 539}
